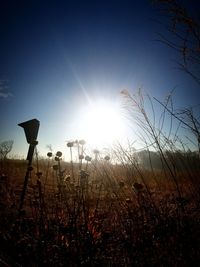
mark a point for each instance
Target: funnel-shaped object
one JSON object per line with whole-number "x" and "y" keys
{"x": 31, "y": 128}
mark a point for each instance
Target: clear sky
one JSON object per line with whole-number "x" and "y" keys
{"x": 58, "y": 57}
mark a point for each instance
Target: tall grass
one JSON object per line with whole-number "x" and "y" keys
{"x": 107, "y": 210}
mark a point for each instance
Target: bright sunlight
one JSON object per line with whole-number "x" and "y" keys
{"x": 102, "y": 123}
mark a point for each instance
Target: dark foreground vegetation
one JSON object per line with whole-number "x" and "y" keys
{"x": 128, "y": 208}
{"x": 95, "y": 213}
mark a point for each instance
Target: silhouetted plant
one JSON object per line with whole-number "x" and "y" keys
{"x": 5, "y": 148}
{"x": 114, "y": 213}
{"x": 184, "y": 28}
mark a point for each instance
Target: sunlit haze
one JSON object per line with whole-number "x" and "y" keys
{"x": 101, "y": 123}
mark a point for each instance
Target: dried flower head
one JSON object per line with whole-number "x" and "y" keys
{"x": 70, "y": 144}
{"x": 39, "y": 174}
{"x": 138, "y": 187}
{"x": 59, "y": 154}
{"x": 55, "y": 167}
{"x": 67, "y": 178}
{"x": 84, "y": 174}
{"x": 82, "y": 142}
{"x": 56, "y": 158}
{"x": 107, "y": 158}
{"x": 88, "y": 158}
{"x": 49, "y": 154}
{"x": 81, "y": 157}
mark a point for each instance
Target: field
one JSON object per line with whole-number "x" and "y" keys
{"x": 95, "y": 213}
{"x": 126, "y": 208}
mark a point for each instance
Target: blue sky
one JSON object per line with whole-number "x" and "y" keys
{"x": 55, "y": 55}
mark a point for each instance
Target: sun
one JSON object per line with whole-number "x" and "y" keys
{"x": 102, "y": 123}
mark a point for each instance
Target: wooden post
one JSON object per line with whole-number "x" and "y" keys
{"x": 31, "y": 128}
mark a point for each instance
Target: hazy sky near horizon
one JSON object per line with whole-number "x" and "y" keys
{"x": 57, "y": 56}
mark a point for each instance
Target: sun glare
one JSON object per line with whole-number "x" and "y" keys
{"x": 102, "y": 123}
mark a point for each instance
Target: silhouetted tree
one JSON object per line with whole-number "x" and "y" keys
{"x": 150, "y": 159}
{"x": 5, "y": 148}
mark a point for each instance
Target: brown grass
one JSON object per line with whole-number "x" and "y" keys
{"x": 105, "y": 219}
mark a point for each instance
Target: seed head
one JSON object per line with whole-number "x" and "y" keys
{"x": 138, "y": 187}
{"x": 59, "y": 154}
{"x": 88, "y": 158}
{"x": 55, "y": 167}
{"x": 107, "y": 158}
{"x": 96, "y": 151}
{"x": 49, "y": 154}
{"x": 39, "y": 174}
{"x": 81, "y": 157}
{"x": 70, "y": 144}
{"x": 84, "y": 174}
{"x": 57, "y": 159}
{"x": 67, "y": 178}
{"x": 82, "y": 142}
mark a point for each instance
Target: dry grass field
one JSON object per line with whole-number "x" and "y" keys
{"x": 98, "y": 214}
{"x": 129, "y": 208}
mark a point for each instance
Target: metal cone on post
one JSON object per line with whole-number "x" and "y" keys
{"x": 31, "y": 128}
